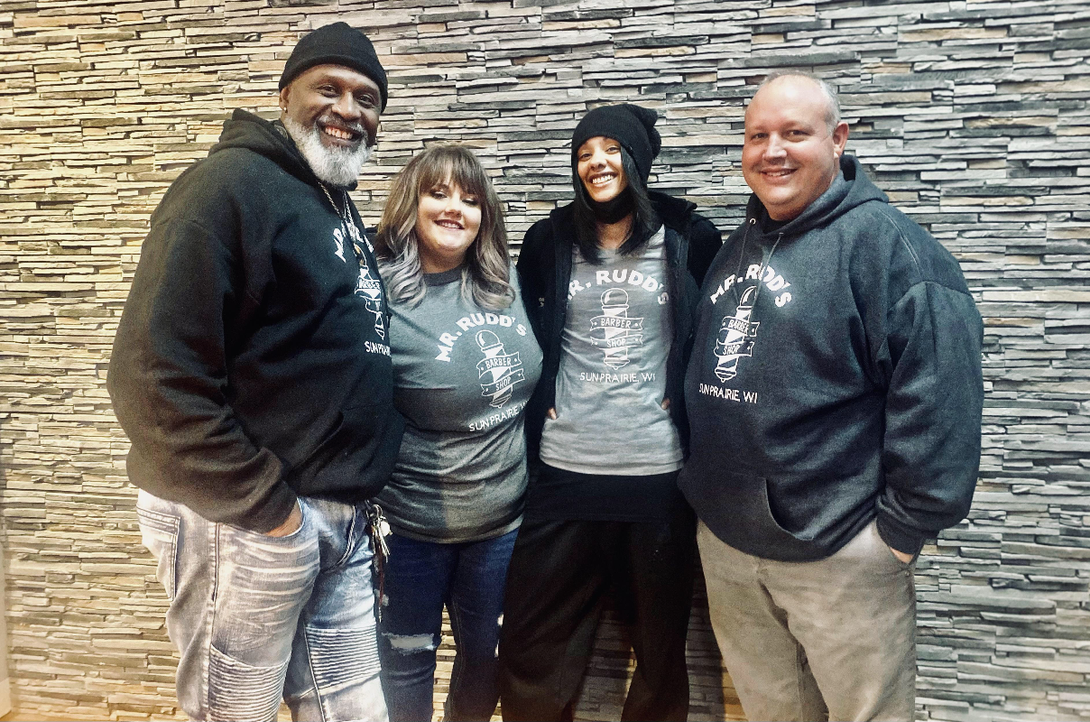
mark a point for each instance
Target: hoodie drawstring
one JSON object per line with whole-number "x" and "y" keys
{"x": 760, "y": 274}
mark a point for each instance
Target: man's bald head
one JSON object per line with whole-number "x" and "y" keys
{"x": 832, "y": 114}
{"x": 793, "y": 143}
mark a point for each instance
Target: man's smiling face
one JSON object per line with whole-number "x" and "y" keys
{"x": 790, "y": 155}
{"x": 342, "y": 103}
{"x": 332, "y": 114}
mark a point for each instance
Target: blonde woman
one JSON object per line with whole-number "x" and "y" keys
{"x": 465, "y": 364}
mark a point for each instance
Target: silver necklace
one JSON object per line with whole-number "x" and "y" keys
{"x": 347, "y": 223}
{"x": 372, "y": 290}
{"x": 344, "y": 215}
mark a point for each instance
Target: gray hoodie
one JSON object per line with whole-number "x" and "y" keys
{"x": 835, "y": 377}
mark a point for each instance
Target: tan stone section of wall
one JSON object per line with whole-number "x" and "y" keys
{"x": 972, "y": 115}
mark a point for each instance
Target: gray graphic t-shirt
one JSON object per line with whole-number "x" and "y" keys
{"x": 612, "y": 375}
{"x": 462, "y": 377}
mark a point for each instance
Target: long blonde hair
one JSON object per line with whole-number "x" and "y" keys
{"x": 486, "y": 277}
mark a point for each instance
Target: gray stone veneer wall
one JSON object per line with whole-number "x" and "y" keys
{"x": 971, "y": 115}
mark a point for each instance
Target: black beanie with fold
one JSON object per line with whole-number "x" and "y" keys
{"x": 336, "y": 44}
{"x": 630, "y": 125}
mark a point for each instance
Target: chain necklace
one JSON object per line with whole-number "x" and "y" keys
{"x": 347, "y": 222}
{"x": 367, "y": 285}
{"x": 344, "y": 215}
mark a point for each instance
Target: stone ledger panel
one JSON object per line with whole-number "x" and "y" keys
{"x": 972, "y": 115}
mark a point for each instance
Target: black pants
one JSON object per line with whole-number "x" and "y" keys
{"x": 559, "y": 573}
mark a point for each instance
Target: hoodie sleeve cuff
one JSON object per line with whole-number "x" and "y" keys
{"x": 272, "y": 513}
{"x": 898, "y": 536}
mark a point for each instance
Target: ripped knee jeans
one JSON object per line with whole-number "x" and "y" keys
{"x": 420, "y": 578}
{"x": 257, "y": 619}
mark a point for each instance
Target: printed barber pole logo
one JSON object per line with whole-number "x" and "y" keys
{"x": 736, "y": 337}
{"x": 614, "y": 331}
{"x": 498, "y": 372}
{"x": 370, "y": 289}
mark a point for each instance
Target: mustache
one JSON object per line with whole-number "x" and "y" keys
{"x": 339, "y": 166}
{"x": 333, "y": 121}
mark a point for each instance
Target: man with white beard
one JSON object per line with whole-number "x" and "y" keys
{"x": 251, "y": 371}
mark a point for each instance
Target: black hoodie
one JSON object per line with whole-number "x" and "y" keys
{"x": 252, "y": 362}
{"x": 843, "y": 385}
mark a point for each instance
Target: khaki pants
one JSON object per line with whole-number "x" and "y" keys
{"x": 801, "y": 639}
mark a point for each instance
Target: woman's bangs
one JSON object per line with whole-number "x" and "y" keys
{"x": 461, "y": 168}
{"x": 434, "y": 171}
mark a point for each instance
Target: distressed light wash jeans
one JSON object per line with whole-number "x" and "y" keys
{"x": 802, "y": 639}
{"x": 258, "y": 619}
{"x": 421, "y": 577}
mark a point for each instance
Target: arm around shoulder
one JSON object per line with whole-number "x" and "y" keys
{"x": 532, "y": 262}
{"x": 705, "y": 240}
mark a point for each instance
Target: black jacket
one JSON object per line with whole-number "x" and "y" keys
{"x": 252, "y": 362}
{"x": 843, "y": 385}
{"x": 544, "y": 268}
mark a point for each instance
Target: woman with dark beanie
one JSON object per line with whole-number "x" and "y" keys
{"x": 611, "y": 280}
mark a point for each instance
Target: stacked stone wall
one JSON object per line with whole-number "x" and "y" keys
{"x": 972, "y": 115}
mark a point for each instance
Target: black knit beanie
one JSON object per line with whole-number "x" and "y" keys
{"x": 336, "y": 44}
{"x": 630, "y": 125}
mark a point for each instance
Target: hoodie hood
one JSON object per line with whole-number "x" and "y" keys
{"x": 674, "y": 212}
{"x": 269, "y": 139}
{"x": 850, "y": 188}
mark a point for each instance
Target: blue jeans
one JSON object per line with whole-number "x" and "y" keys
{"x": 259, "y": 618}
{"x": 420, "y": 578}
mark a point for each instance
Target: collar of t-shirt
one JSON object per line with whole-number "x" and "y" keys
{"x": 444, "y": 277}
{"x": 652, "y": 248}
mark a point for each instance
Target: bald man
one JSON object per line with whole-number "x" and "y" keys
{"x": 834, "y": 394}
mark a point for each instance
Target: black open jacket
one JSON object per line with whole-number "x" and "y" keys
{"x": 544, "y": 268}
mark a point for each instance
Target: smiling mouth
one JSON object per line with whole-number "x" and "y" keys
{"x": 601, "y": 180}
{"x": 778, "y": 172}
{"x": 343, "y": 135}
{"x": 452, "y": 225}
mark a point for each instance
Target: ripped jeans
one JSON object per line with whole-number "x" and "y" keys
{"x": 259, "y": 618}
{"x": 421, "y": 577}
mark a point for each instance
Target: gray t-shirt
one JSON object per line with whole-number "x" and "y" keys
{"x": 612, "y": 375}
{"x": 462, "y": 377}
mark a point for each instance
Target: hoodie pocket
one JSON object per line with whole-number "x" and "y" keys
{"x": 359, "y": 451}
{"x": 321, "y": 449}
{"x": 736, "y": 508}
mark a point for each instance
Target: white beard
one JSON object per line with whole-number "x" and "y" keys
{"x": 336, "y": 166}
